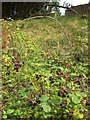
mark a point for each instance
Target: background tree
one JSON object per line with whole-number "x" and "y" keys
{"x": 21, "y": 9}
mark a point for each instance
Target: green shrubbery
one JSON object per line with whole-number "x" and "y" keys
{"x": 41, "y": 79}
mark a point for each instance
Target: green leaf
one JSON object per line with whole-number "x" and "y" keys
{"x": 44, "y": 98}
{"x": 74, "y": 74}
{"x": 45, "y": 106}
{"x": 9, "y": 111}
{"x": 75, "y": 98}
{"x": 17, "y": 111}
{"x": 55, "y": 101}
{"x": 62, "y": 68}
{"x": 81, "y": 94}
{"x": 23, "y": 92}
{"x": 32, "y": 87}
{"x": 10, "y": 85}
{"x": 81, "y": 116}
{"x": 4, "y": 116}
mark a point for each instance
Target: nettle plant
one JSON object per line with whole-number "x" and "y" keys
{"x": 36, "y": 88}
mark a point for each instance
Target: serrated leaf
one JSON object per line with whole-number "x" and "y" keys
{"x": 75, "y": 99}
{"x": 47, "y": 108}
{"x": 44, "y": 98}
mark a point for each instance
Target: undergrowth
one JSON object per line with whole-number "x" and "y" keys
{"x": 45, "y": 69}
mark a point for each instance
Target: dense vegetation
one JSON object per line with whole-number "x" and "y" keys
{"x": 21, "y": 9}
{"x": 45, "y": 68}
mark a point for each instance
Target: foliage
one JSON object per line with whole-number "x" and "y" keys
{"x": 44, "y": 76}
{"x": 21, "y": 10}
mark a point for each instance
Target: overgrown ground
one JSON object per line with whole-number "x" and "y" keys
{"x": 45, "y": 68}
